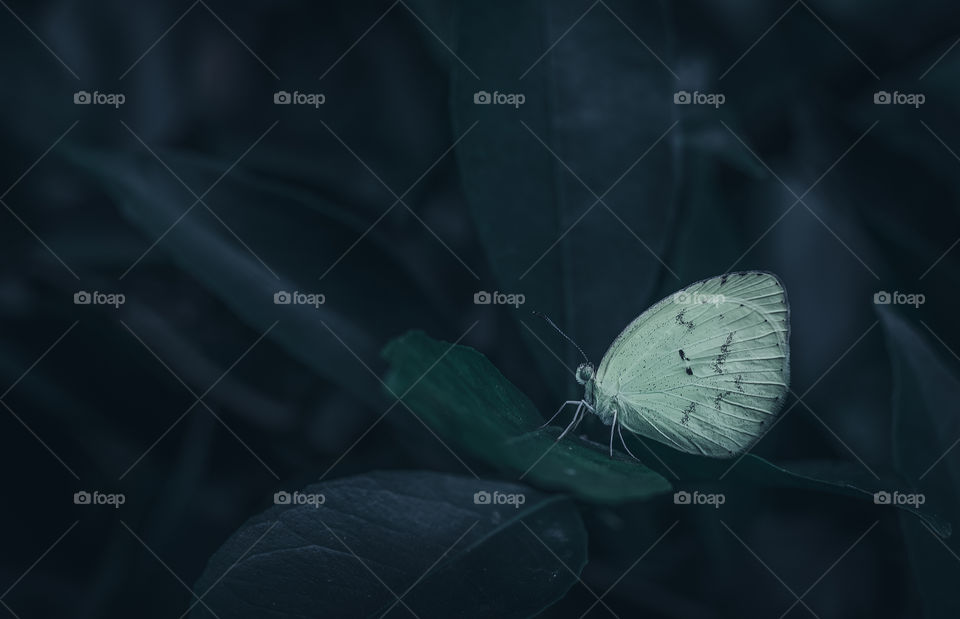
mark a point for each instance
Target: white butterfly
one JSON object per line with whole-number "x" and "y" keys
{"x": 704, "y": 370}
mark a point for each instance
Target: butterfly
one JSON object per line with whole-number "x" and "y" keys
{"x": 704, "y": 370}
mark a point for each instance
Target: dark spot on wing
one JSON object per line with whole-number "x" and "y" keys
{"x": 686, "y": 323}
{"x": 689, "y": 372}
{"x": 686, "y": 413}
{"x": 682, "y": 356}
{"x": 719, "y": 398}
{"x": 738, "y": 382}
{"x": 724, "y": 353}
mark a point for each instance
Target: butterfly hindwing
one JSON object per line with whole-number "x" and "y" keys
{"x": 704, "y": 370}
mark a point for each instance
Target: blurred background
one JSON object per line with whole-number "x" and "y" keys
{"x": 168, "y": 168}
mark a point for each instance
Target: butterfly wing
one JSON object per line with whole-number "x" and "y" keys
{"x": 704, "y": 370}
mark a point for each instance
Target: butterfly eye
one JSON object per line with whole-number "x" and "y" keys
{"x": 584, "y": 373}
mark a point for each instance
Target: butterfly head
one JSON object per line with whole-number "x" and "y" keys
{"x": 585, "y": 373}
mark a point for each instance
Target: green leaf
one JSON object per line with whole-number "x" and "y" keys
{"x": 476, "y": 410}
{"x": 598, "y": 99}
{"x": 422, "y": 534}
{"x": 926, "y": 427}
{"x": 835, "y": 477}
{"x": 466, "y": 400}
{"x": 844, "y": 478}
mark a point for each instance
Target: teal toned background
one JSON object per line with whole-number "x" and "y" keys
{"x": 399, "y": 199}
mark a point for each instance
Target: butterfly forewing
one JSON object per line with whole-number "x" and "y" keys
{"x": 704, "y": 370}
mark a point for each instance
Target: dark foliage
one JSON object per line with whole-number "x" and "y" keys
{"x": 400, "y": 198}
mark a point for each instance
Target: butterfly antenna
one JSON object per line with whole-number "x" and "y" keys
{"x": 565, "y": 336}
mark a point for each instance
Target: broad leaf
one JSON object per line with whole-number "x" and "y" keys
{"x": 425, "y": 537}
{"x": 832, "y": 476}
{"x": 475, "y": 409}
{"x": 844, "y": 478}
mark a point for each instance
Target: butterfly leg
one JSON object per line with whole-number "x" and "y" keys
{"x": 624, "y": 443}
{"x": 562, "y": 406}
{"x": 577, "y": 416}
{"x": 612, "y": 426}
